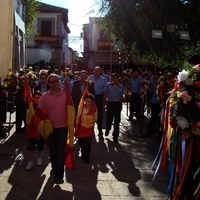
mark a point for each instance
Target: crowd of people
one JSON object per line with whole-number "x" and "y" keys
{"x": 40, "y": 94}
{"x": 140, "y": 88}
{"x": 91, "y": 94}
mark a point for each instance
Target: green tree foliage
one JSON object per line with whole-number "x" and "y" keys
{"x": 132, "y": 22}
{"x": 30, "y": 16}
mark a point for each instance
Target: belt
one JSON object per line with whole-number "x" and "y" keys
{"x": 98, "y": 94}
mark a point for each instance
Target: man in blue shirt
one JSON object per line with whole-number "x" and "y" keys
{"x": 154, "y": 123}
{"x": 135, "y": 100}
{"x": 114, "y": 93}
{"x": 99, "y": 87}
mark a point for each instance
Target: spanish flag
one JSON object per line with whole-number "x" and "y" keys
{"x": 36, "y": 119}
{"x": 69, "y": 159}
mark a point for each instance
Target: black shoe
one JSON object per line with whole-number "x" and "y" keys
{"x": 145, "y": 136}
{"x": 130, "y": 119}
{"x": 2, "y": 136}
{"x": 59, "y": 181}
{"x": 106, "y": 133}
{"x": 86, "y": 161}
{"x": 100, "y": 133}
{"x": 115, "y": 140}
{"x": 21, "y": 130}
{"x": 52, "y": 172}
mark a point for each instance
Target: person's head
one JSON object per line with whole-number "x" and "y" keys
{"x": 149, "y": 72}
{"x": 36, "y": 69}
{"x": 76, "y": 77}
{"x": 43, "y": 74}
{"x": 55, "y": 71}
{"x": 53, "y": 82}
{"x": 156, "y": 78}
{"x": 47, "y": 67}
{"x": 115, "y": 78}
{"x": 21, "y": 72}
{"x": 88, "y": 100}
{"x": 36, "y": 96}
{"x": 84, "y": 75}
{"x": 97, "y": 71}
{"x": 135, "y": 73}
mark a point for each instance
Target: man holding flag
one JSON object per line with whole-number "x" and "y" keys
{"x": 58, "y": 104}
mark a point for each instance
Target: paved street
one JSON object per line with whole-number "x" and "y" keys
{"x": 116, "y": 171}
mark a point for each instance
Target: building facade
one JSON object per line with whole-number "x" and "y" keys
{"x": 101, "y": 49}
{"x": 50, "y": 42}
{"x": 12, "y": 40}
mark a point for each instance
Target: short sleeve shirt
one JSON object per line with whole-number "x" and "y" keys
{"x": 56, "y": 108}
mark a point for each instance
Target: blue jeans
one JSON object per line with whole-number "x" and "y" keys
{"x": 57, "y": 143}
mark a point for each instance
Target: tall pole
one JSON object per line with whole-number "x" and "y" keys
{"x": 171, "y": 26}
{"x": 111, "y": 51}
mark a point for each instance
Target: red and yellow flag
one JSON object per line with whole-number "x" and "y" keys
{"x": 69, "y": 159}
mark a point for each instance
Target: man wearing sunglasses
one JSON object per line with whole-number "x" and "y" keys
{"x": 54, "y": 102}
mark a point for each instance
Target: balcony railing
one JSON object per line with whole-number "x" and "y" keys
{"x": 48, "y": 40}
{"x": 105, "y": 45}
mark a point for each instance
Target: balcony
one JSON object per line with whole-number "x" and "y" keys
{"x": 105, "y": 45}
{"x": 47, "y": 40}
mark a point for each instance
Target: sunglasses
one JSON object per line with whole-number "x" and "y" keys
{"x": 53, "y": 81}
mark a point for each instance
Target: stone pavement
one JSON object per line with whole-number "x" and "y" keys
{"x": 116, "y": 171}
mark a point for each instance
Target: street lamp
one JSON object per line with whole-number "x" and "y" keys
{"x": 171, "y": 26}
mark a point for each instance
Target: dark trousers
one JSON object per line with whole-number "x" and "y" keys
{"x": 85, "y": 144}
{"x": 99, "y": 103}
{"x": 57, "y": 144}
{"x": 113, "y": 113}
{"x": 20, "y": 113}
{"x": 2, "y": 114}
{"x": 135, "y": 104}
{"x": 35, "y": 143}
{"x": 155, "y": 119}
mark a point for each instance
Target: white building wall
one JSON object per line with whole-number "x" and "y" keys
{"x": 42, "y": 15}
{"x": 65, "y": 49}
{"x": 34, "y": 55}
{"x": 69, "y": 58}
{"x": 94, "y": 33}
{"x": 45, "y": 52}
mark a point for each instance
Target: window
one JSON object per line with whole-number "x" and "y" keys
{"x": 46, "y": 28}
{"x": 103, "y": 35}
